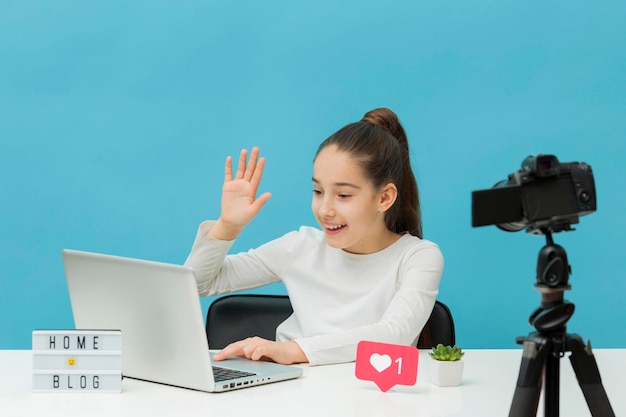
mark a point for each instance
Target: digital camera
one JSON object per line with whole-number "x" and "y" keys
{"x": 544, "y": 195}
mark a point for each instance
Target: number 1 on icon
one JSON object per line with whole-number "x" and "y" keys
{"x": 399, "y": 362}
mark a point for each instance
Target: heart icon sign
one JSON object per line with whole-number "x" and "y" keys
{"x": 380, "y": 362}
{"x": 386, "y": 364}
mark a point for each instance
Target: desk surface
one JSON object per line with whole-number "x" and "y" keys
{"x": 487, "y": 388}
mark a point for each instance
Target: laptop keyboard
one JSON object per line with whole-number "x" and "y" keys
{"x": 224, "y": 374}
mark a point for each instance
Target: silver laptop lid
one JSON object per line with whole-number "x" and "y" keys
{"x": 157, "y": 308}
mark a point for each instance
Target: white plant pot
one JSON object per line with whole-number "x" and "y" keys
{"x": 446, "y": 373}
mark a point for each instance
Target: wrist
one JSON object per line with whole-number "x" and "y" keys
{"x": 223, "y": 231}
{"x": 297, "y": 354}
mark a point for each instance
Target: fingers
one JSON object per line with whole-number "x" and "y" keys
{"x": 260, "y": 201}
{"x": 241, "y": 165}
{"x": 249, "y": 170}
{"x": 257, "y": 348}
{"x": 231, "y": 350}
{"x": 228, "y": 169}
{"x": 257, "y": 174}
{"x": 252, "y": 164}
{"x": 247, "y": 348}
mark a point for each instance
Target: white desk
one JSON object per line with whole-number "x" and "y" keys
{"x": 489, "y": 381}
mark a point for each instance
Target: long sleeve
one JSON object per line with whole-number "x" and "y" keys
{"x": 215, "y": 271}
{"x": 338, "y": 298}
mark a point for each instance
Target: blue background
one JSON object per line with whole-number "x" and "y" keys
{"x": 116, "y": 117}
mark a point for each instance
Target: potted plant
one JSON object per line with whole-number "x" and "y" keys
{"x": 447, "y": 365}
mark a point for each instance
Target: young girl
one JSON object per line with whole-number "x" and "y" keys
{"x": 366, "y": 275}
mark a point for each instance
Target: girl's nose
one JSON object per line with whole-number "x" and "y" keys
{"x": 326, "y": 209}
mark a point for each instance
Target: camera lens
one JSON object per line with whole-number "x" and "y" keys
{"x": 511, "y": 227}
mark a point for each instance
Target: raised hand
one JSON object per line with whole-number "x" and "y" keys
{"x": 239, "y": 201}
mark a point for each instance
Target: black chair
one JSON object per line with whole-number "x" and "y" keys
{"x": 234, "y": 317}
{"x": 438, "y": 329}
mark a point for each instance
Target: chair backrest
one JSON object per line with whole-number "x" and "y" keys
{"x": 235, "y": 317}
{"x": 438, "y": 329}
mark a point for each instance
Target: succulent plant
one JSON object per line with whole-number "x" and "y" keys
{"x": 446, "y": 353}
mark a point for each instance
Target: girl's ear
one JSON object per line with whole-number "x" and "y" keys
{"x": 388, "y": 196}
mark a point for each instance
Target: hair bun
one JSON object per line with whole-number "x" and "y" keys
{"x": 385, "y": 119}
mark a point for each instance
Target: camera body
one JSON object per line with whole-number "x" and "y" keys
{"x": 544, "y": 195}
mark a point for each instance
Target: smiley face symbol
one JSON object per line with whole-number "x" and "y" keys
{"x": 71, "y": 361}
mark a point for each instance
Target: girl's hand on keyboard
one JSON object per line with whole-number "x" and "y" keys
{"x": 257, "y": 348}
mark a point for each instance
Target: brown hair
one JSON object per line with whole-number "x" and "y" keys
{"x": 379, "y": 145}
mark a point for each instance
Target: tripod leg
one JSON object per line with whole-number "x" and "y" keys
{"x": 552, "y": 392}
{"x": 528, "y": 389}
{"x": 588, "y": 376}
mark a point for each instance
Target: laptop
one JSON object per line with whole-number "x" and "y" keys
{"x": 157, "y": 308}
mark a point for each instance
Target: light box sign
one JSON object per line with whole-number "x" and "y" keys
{"x": 77, "y": 361}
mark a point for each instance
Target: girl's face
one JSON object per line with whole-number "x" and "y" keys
{"x": 347, "y": 206}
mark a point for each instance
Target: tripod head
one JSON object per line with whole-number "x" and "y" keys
{"x": 553, "y": 272}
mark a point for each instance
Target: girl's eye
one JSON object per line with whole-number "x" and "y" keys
{"x": 317, "y": 192}
{"x": 344, "y": 196}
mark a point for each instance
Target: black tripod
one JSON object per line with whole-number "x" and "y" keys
{"x": 544, "y": 348}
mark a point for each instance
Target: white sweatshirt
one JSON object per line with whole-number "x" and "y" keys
{"x": 338, "y": 298}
